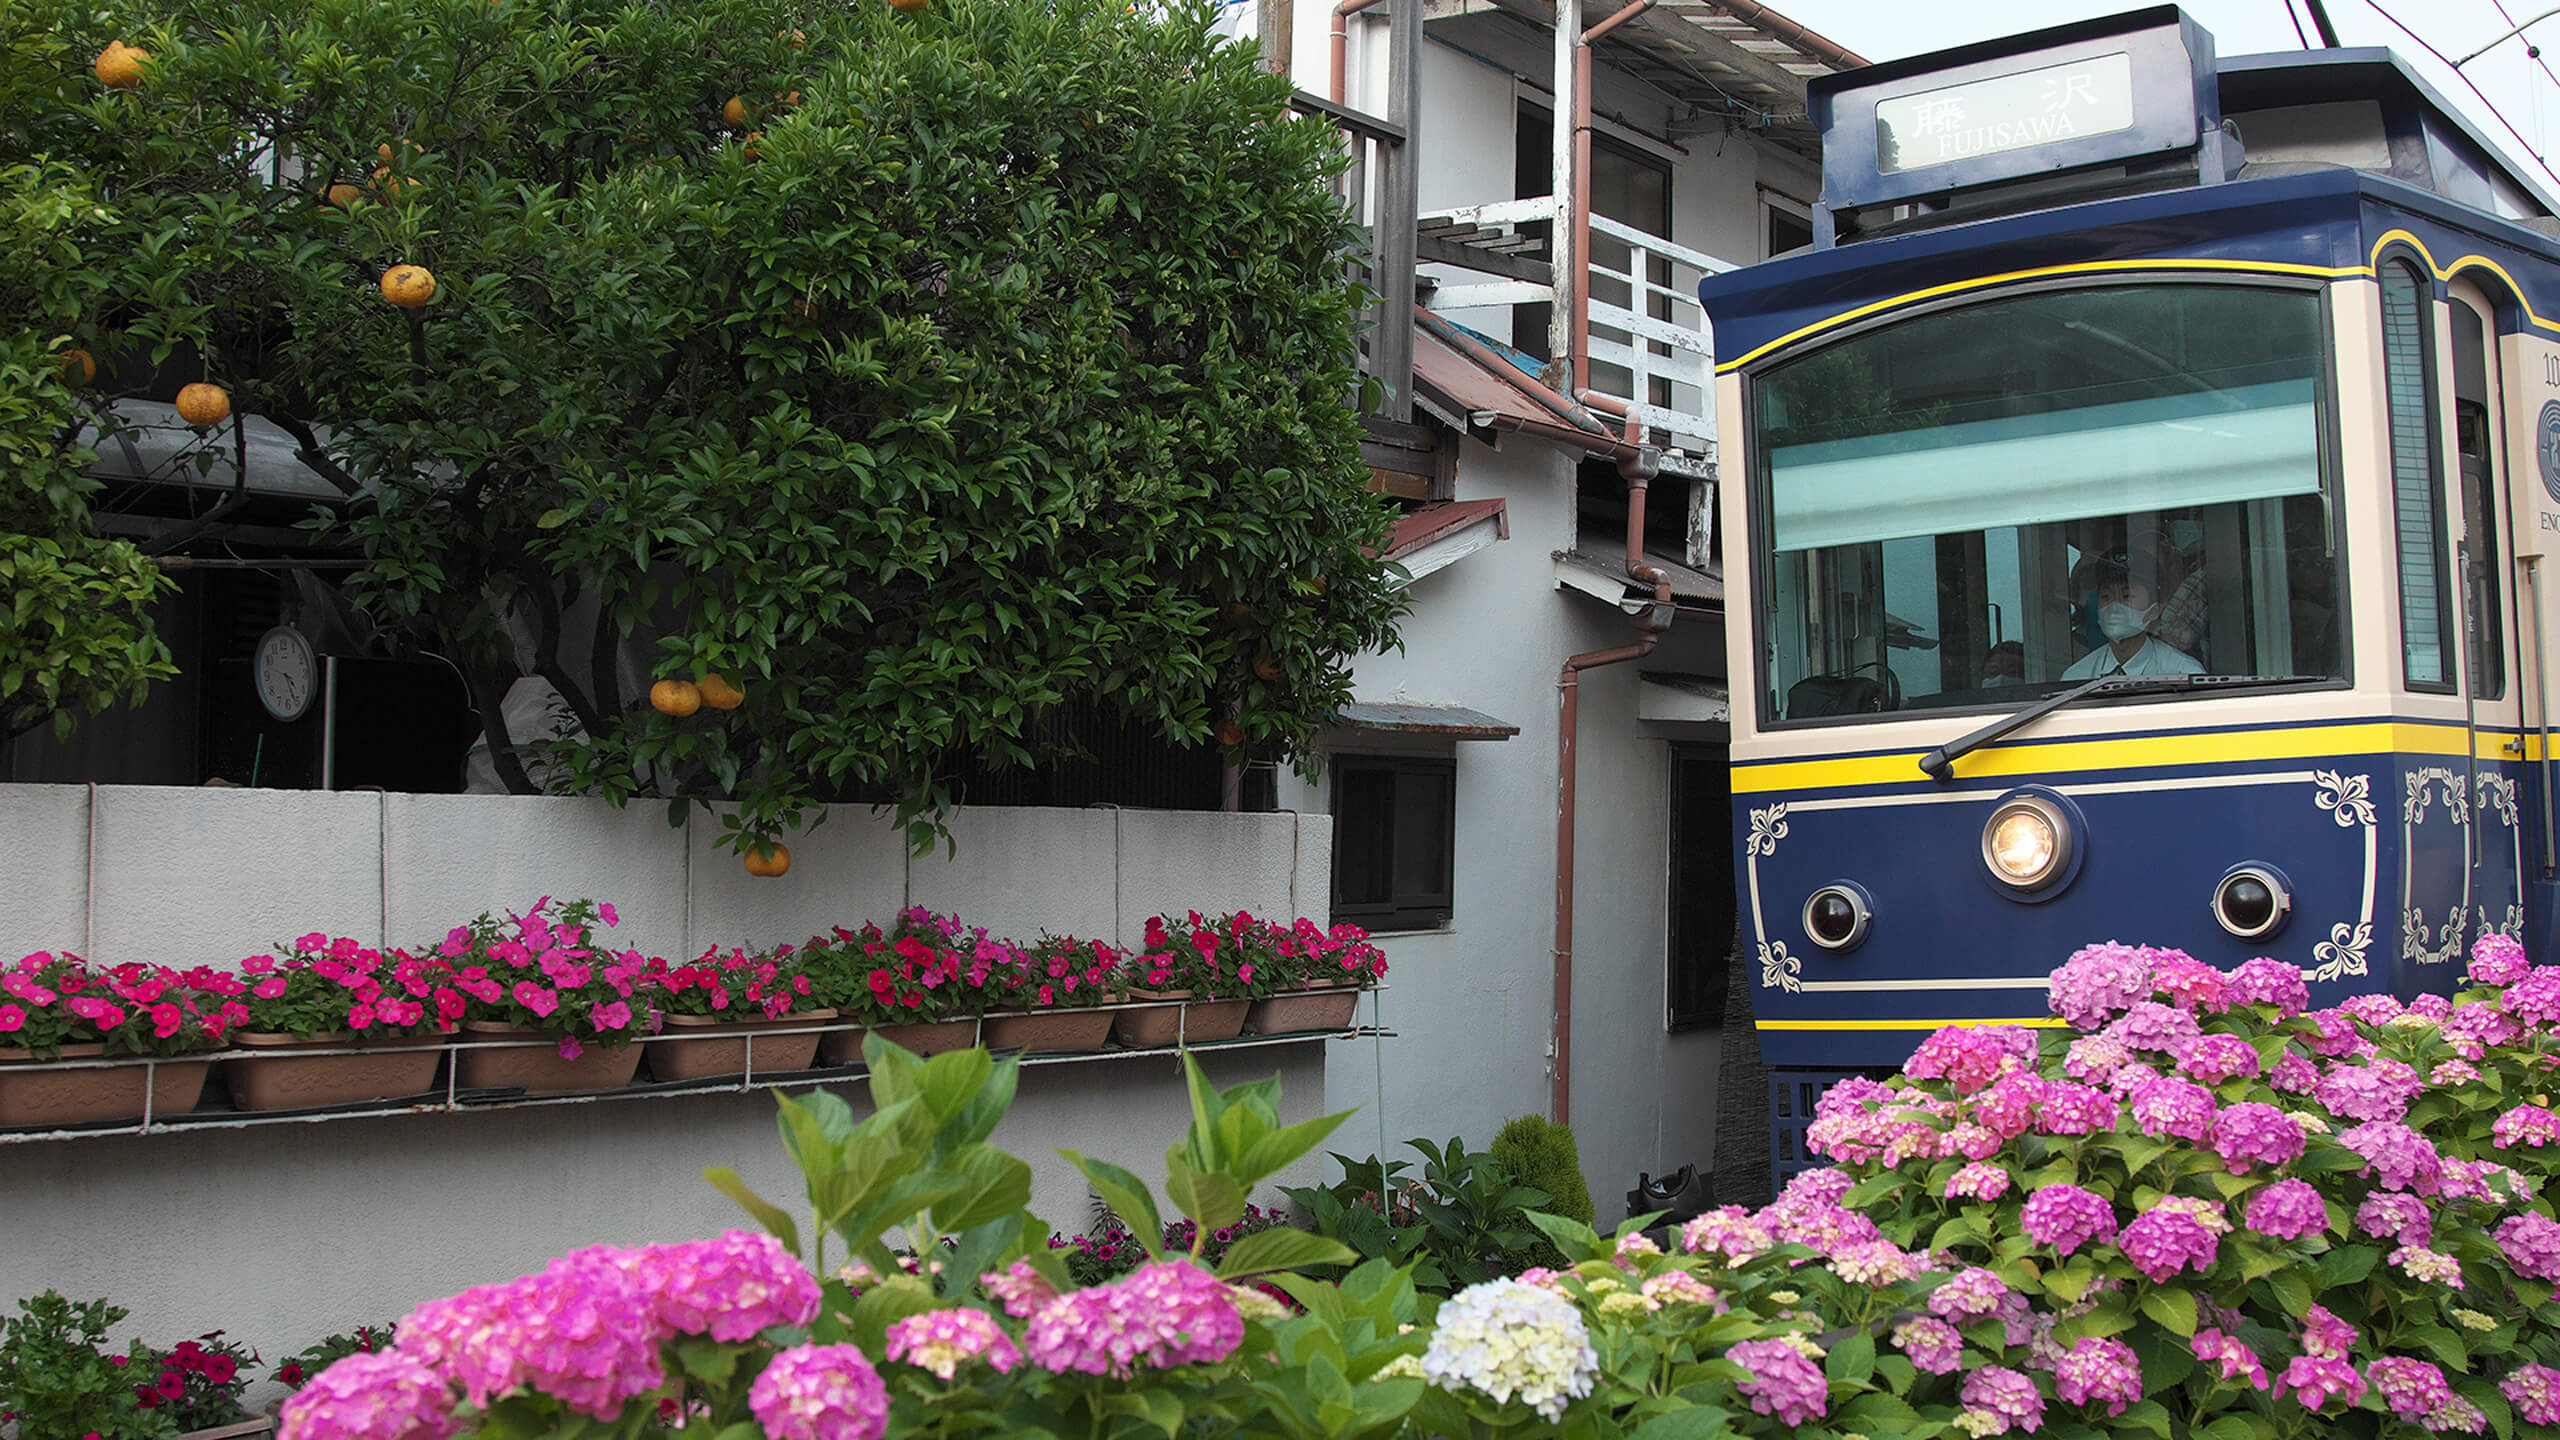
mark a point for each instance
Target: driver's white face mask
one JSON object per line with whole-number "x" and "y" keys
{"x": 2123, "y": 622}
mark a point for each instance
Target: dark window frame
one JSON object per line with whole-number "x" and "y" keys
{"x": 1410, "y": 903}
{"x": 2416, "y": 495}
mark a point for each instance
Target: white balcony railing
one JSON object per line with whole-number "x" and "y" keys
{"x": 1650, "y": 344}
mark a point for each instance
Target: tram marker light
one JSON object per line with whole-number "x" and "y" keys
{"x": 2027, "y": 841}
{"x": 2252, "y": 900}
{"x": 1836, "y": 916}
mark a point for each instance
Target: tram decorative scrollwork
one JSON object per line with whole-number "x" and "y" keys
{"x": 1768, "y": 827}
{"x": 1778, "y": 969}
{"x": 2428, "y": 945}
{"x": 2342, "y": 954}
{"x": 2347, "y": 798}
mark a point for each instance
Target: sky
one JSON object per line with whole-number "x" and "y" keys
{"x": 2511, "y": 84}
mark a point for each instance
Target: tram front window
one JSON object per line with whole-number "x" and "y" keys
{"x": 1976, "y": 505}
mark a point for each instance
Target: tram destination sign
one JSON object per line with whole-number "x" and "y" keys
{"x": 2097, "y": 92}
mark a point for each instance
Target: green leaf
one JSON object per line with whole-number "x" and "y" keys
{"x": 1853, "y": 1359}
{"x": 1690, "y": 1422}
{"x": 771, "y": 1217}
{"x": 992, "y": 1184}
{"x": 2292, "y": 1290}
{"x": 1128, "y": 1198}
{"x": 1281, "y": 1249}
{"x": 2174, "y": 1309}
{"x": 708, "y": 1360}
{"x": 1281, "y": 1148}
{"x": 1210, "y": 1197}
{"x": 2145, "y": 1414}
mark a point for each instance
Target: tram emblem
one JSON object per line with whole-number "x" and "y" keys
{"x": 2546, "y": 447}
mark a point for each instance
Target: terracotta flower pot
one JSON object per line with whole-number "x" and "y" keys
{"x": 92, "y": 1094}
{"x": 302, "y": 1082}
{"x": 699, "y": 1047}
{"x": 1300, "y": 1011}
{"x": 927, "y": 1038}
{"x": 1049, "y": 1030}
{"x": 1182, "y": 1021}
{"x": 537, "y": 1068}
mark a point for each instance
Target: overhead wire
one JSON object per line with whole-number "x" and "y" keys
{"x": 2442, "y": 59}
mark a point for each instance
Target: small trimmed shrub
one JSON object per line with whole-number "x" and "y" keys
{"x": 1542, "y": 1155}
{"x": 1463, "y": 1220}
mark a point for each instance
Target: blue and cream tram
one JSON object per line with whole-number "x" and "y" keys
{"x": 2145, "y": 483}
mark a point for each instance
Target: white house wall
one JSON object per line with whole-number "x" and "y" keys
{"x": 281, "y": 1234}
{"x": 1471, "y": 1002}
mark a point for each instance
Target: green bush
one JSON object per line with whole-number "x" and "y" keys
{"x": 1463, "y": 1220}
{"x": 1540, "y": 1153}
{"x": 57, "y": 1380}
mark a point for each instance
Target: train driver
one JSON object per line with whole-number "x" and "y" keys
{"x": 2128, "y": 607}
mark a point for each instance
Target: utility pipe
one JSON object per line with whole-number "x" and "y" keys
{"x": 1635, "y": 466}
{"x": 1339, "y": 43}
{"x": 1580, "y": 379}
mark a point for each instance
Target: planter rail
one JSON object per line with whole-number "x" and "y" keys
{"x": 456, "y": 1098}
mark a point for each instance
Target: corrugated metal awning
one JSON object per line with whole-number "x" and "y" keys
{"x": 1455, "y": 722}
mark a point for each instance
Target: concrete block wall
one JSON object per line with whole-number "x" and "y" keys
{"x": 160, "y": 873}
{"x": 281, "y": 1234}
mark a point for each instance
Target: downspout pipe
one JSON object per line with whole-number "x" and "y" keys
{"x": 1338, "y": 43}
{"x": 1637, "y": 466}
{"x": 1581, "y": 219}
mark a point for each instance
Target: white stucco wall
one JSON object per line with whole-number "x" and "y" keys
{"x": 1471, "y": 1004}
{"x": 283, "y": 1233}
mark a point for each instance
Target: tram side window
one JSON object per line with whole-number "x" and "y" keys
{"x": 2030, "y": 491}
{"x": 2417, "y": 489}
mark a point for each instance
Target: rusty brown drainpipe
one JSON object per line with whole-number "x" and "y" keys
{"x": 1581, "y": 218}
{"x": 1633, "y": 466}
{"x": 1339, "y": 41}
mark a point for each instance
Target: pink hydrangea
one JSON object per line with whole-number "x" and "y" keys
{"x": 2325, "y": 1336}
{"x": 1971, "y": 1057}
{"x": 2234, "y": 1360}
{"x": 942, "y": 1340}
{"x": 2450, "y": 1073}
{"x": 2374, "y": 1007}
{"x": 2432, "y": 1266}
{"x": 1731, "y": 1234}
{"x": 583, "y": 1332}
{"x": 2498, "y": 960}
{"x": 1932, "y": 1343}
{"x": 1978, "y": 1181}
{"x": 1969, "y": 1295}
{"x": 2266, "y": 981}
{"x": 2171, "y": 1106}
{"x": 2398, "y": 1157}
{"x": 820, "y": 1392}
{"x": 1020, "y": 1288}
{"x": 2071, "y": 1109}
{"x": 2008, "y": 1109}
{"x": 1167, "y": 1313}
{"x": 2094, "y": 1059}
{"x": 2378, "y": 1090}
{"x": 2287, "y": 1210}
{"x": 378, "y": 1395}
{"x": 2250, "y": 1134}
{"x": 2527, "y": 1124}
{"x": 2097, "y": 1371}
{"x": 2160, "y": 1242}
{"x": 2535, "y": 1392}
{"x": 2414, "y": 1389}
{"x": 2471, "y": 1029}
{"x": 1783, "y": 1383}
{"x": 2218, "y": 1057}
{"x": 2153, "y": 1026}
{"x": 2098, "y": 983}
{"x": 2005, "y": 1395}
{"x": 1874, "y": 1262}
{"x": 2400, "y": 1218}
{"x": 2334, "y": 1033}
{"x": 2531, "y": 1244}
{"x": 2535, "y": 998}
{"x": 730, "y": 1288}
{"x": 2189, "y": 983}
{"x": 2293, "y": 1073}
{"x": 2314, "y": 1381}
{"x": 2067, "y": 1217}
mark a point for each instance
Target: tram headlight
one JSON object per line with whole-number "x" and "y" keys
{"x": 2026, "y": 842}
{"x": 1836, "y": 916}
{"x": 2252, "y": 900}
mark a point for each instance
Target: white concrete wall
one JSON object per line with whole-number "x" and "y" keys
{"x": 281, "y": 1234}
{"x": 1471, "y": 1004}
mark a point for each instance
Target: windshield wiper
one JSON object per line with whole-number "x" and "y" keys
{"x": 1940, "y": 764}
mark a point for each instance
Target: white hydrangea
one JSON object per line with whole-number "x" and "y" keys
{"x": 1505, "y": 1338}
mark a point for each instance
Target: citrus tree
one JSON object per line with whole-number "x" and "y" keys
{"x": 890, "y": 376}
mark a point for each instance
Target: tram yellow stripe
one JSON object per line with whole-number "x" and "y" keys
{"x": 2134, "y": 752}
{"x": 2447, "y": 272}
{"x": 2044, "y": 1023}
{"x": 1958, "y": 287}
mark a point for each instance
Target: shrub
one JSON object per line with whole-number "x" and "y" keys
{"x": 57, "y": 1380}
{"x": 1461, "y": 1221}
{"x": 1542, "y": 1155}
